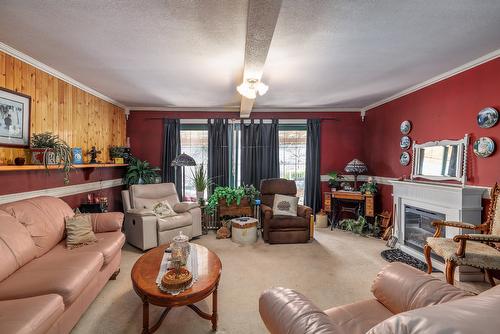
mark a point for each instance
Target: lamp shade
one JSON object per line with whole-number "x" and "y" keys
{"x": 183, "y": 160}
{"x": 356, "y": 167}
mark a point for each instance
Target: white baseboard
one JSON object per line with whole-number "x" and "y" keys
{"x": 62, "y": 191}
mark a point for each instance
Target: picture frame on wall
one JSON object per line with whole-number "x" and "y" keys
{"x": 15, "y": 111}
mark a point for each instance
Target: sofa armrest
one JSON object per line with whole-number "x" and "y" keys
{"x": 287, "y": 311}
{"x": 267, "y": 212}
{"x": 403, "y": 288}
{"x": 304, "y": 211}
{"x": 106, "y": 222}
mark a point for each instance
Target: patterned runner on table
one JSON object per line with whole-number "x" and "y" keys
{"x": 191, "y": 265}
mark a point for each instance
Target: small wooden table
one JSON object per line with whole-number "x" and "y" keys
{"x": 144, "y": 275}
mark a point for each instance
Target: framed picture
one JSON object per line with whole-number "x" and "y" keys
{"x": 14, "y": 118}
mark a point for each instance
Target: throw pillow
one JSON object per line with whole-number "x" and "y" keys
{"x": 79, "y": 231}
{"x": 163, "y": 209}
{"x": 285, "y": 205}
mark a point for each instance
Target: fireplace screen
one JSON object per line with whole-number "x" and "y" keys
{"x": 418, "y": 226}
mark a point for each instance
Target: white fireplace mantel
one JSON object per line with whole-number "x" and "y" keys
{"x": 457, "y": 203}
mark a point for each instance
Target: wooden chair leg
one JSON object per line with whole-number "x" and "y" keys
{"x": 427, "y": 254}
{"x": 114, "y": 275}
{"x": 450, "y": 271}
{"x": 489, "y": 277}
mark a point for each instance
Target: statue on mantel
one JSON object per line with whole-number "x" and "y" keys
{"x": 93, "y": 155}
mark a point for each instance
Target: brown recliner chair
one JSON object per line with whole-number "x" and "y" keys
{"x": 283, "y": 229}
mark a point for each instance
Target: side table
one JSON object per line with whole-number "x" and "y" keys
{"x": 244, "y": 230}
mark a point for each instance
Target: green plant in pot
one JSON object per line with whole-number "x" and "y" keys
{"x": 369, "y": 187}
{"x": 201, "y": 181}
{"x": 140, "y": 172}
{"x": 334, "y": 180}
{"x": 48, "y": 149}
{"x": 231, "y": 195}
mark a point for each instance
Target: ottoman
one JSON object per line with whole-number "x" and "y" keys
{"x": 244, "y": 230}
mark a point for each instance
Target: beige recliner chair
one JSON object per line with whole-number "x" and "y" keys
{"x": 143, "y": 229}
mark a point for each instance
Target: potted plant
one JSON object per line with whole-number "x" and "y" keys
{"x": 201, "y": 181}
{"x": 369, "y": 187}
{"x": 116, "y": 153}
{"x": 230, "y": 199}
{"x": 48, "y": 149}
{"x": 140, "y": 172}
{"x": 334, "y": 181}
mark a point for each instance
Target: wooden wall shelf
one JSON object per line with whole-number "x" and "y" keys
{"x": 12, "y": 168}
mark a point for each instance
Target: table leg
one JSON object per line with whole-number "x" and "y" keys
{"x": 145, "y": 317}
{"x": 214, "y": 310}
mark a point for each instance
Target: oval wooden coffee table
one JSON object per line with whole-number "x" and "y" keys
{"x": 144, "y": 275}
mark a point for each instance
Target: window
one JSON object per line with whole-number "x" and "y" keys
{"x": 292, "y": 155}
{"x": 194, "y": 142}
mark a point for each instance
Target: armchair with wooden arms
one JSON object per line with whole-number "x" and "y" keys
{"x": 283, "y": 229}
{"x": 475, "y": 250}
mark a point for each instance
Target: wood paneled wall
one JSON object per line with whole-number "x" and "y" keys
{"x": 80, "y": 118}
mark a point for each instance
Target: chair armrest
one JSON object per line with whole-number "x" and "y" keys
{"x": 140, "y": 212}
{"x": 106, "y": 222}
{"x": 462, "y": 239}
{"x": 303, "y": 211}
{"x": 440, "y": 223}
{"x": 185, "y": 206}
{"x": 287, "y": 311}
{"x": 267, "y": 212}
{"x": 403, "y": 288}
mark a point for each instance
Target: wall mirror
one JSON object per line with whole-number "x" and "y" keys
{"x": 441, "y": 160}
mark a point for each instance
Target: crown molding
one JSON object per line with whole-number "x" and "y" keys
{"x": 436, "y": 79}
{"x": 237, "y": 109}
{"x": 52, "y": 71}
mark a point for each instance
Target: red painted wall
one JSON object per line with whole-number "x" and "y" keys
{"x": 445, "y": 110}
{"x": 341, "y": 138}
{"x": 22, "y": 181}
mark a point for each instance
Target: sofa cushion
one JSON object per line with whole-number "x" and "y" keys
{"x": 43, "y": 217}
{"x": 30, "y": 315}
{"x": 65, "y": 274}
{"x": 359, "y": 317}
{"x": 79, "y": 231}
{"x": 108, "y": 244}
{"x": 16, "y": 246}
{"x": 170, "y": 223}
{"x": 278, "y": 222}
{"x": 476, "y": 314}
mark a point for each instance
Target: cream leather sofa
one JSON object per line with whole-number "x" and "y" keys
{"x": 407, "y": 301}
{"x": 44, "y": 286}
{"x": 143, "y": 229}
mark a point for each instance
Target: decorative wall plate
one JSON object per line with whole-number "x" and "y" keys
{"x": 404, "y": 158}
{"x": 405, "y": 127}
{"x": 487, "y": 117}
{"x": 484, "y": 147}
{"x": 405, "y": 142}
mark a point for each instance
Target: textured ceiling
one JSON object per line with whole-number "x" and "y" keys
{"x": 191, "y": 53}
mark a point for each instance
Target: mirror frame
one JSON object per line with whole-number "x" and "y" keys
{"x": 461, "y": 163}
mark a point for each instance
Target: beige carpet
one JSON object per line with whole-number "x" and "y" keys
{"x": 336, "y": 268}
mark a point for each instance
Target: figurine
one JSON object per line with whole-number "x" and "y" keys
{"x": 93, "y": 155}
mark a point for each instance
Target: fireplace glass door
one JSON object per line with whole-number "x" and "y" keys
{"x": 418, "y": 226}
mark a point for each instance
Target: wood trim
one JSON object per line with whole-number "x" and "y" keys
{"x": 62, "y": 191}
{"x": 11, "y": 168}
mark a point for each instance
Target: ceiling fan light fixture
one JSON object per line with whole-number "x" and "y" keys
{"x": 250, "y": 87}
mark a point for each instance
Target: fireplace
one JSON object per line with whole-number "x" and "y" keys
{"x": 418, "y": 226}
{"x": 417, "y": 204}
